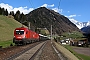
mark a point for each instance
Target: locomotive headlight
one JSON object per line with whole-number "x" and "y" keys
{"x": 24, "y": 37}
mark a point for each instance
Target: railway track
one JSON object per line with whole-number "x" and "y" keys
{"x": 43, "y": 50}
{"x": 29, "y": 53}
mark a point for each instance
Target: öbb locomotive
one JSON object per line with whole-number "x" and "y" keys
{"x": 24, "y": 35}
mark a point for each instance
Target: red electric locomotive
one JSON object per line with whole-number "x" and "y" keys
{"x": 24, "y": 35}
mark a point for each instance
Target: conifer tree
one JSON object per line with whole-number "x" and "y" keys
{"x": 0, "y": 11}
{"x": 17, "y": 16}
{"x": 11, "y": 13}
{"x": 6, "y": 12}
{"x": 3, "y": 11}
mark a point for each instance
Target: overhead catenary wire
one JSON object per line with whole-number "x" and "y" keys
{"x": 30, "y": 1}
{"x": 59, "y": 4}
{"x": 4, "y": 2}
{"x": 32, "y": 5}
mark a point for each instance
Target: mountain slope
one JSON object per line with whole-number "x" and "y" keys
{"x": 44, "y": 18}
{"x": 7, "y": 26}
{"x": 80, "y": 24}
{"x": 84, "y": 26}
{"x": 86, "y": 30}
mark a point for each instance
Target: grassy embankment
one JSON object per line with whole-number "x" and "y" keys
{"x": 65, "y": 52}
{"x": 7, "y": 26}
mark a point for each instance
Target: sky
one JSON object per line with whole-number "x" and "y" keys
{"x": 73, "y": 9}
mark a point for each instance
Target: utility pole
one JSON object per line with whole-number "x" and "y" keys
{"x": 51, "y": 33}
{"x": 28, "y": 25}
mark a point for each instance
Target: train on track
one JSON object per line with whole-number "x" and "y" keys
{"x": 24, "y": 35}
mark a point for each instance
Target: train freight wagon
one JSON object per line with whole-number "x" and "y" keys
{"x": 24, "y": 35}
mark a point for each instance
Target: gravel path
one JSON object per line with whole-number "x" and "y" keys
{"x": 48, "y": 53}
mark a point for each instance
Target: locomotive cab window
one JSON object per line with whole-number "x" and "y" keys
{"x": 19, "y": 32}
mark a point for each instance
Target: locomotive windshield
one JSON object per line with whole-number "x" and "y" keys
{"x": 19, "y": 32}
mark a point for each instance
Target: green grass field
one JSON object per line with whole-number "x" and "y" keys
{"x": 6, "y": 43}
{"x": 7, "y": 26}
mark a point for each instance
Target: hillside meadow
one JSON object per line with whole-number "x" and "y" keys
{"x": 7, "y": 26}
